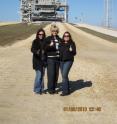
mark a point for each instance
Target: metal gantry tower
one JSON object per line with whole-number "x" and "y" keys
{"x": 108, "y": 13}
{"x": 44, "y": 10}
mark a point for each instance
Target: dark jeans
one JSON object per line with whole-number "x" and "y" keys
{"x": 65, "y": 68}
{"x": 52, "y": 73}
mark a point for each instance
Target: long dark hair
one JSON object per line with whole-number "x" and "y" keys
{"x": 70, "y": 37}
{"x": 40, "y": 30}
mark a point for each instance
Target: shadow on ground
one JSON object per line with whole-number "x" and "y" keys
{"x": 76, "y": 85}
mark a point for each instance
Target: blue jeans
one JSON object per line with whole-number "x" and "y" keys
{"x": 39, "y": 81}
{"x": 65, "y": 68}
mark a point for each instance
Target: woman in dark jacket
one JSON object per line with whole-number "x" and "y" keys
{"x": 53, "y": 58}
{"x": 39, "y": 60}
{"x": 67, "y": 53}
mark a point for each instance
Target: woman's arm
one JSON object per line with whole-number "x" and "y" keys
{"x": 34, "y": 48}
{"x": 73, "y": 47}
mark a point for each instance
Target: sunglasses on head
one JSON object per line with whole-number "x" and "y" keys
{"x": 54, "y": 31}
{"x": 40, "y": 34}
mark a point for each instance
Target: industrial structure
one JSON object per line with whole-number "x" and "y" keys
{"x": 44, "y": 10}
{"x": 108, "y": 13}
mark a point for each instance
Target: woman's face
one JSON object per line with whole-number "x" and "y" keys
{"x": 41, "y": 35}
{"x": 66, "y": 37}
{"x": 54, "y": 32}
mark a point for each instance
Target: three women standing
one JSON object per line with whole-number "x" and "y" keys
{"x": 59, "y": 53}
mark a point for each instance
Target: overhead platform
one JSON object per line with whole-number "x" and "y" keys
{"x": 44, "y": 10}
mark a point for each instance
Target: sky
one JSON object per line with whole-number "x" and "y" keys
{"x": 85, "y": 11}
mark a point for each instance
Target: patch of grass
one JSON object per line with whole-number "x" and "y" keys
{"x": 98, "y": 34}
{"x": 12, "y": 33}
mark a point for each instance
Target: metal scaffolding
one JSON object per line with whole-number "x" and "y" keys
{"x": 44, "y": 10}
{"x": 108, "y": 13}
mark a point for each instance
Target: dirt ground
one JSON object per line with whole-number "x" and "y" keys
{"x": 93, "y": 84}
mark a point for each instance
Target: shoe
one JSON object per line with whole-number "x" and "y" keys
{"x": 44, "y": 92}
{"x": 56, "y": 92}
{"x": 40, "y": 93}
{"x": 51, "y": 92}
{"x": 64, "y": 94}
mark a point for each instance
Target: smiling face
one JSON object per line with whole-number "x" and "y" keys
{"x": 66, "y": 37}
{"x": 54, "y": 32}
{"x": 41, "y": 35}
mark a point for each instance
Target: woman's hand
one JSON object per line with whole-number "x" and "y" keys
{"x": 38, "y": 51}
{"x": 52, "y": 43}
{"x": 70, "y": 49}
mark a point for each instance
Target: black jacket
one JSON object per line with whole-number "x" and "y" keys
{"x": 39, "y": 57}
{"x": 51, "y": 50}
{"x": 65, "y": 53}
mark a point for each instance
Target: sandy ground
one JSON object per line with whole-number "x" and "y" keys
{"x": 96, "y": 61}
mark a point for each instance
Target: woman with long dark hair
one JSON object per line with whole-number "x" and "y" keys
{"x": 39, "y": 60}
{"x": 67, "y": 53}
